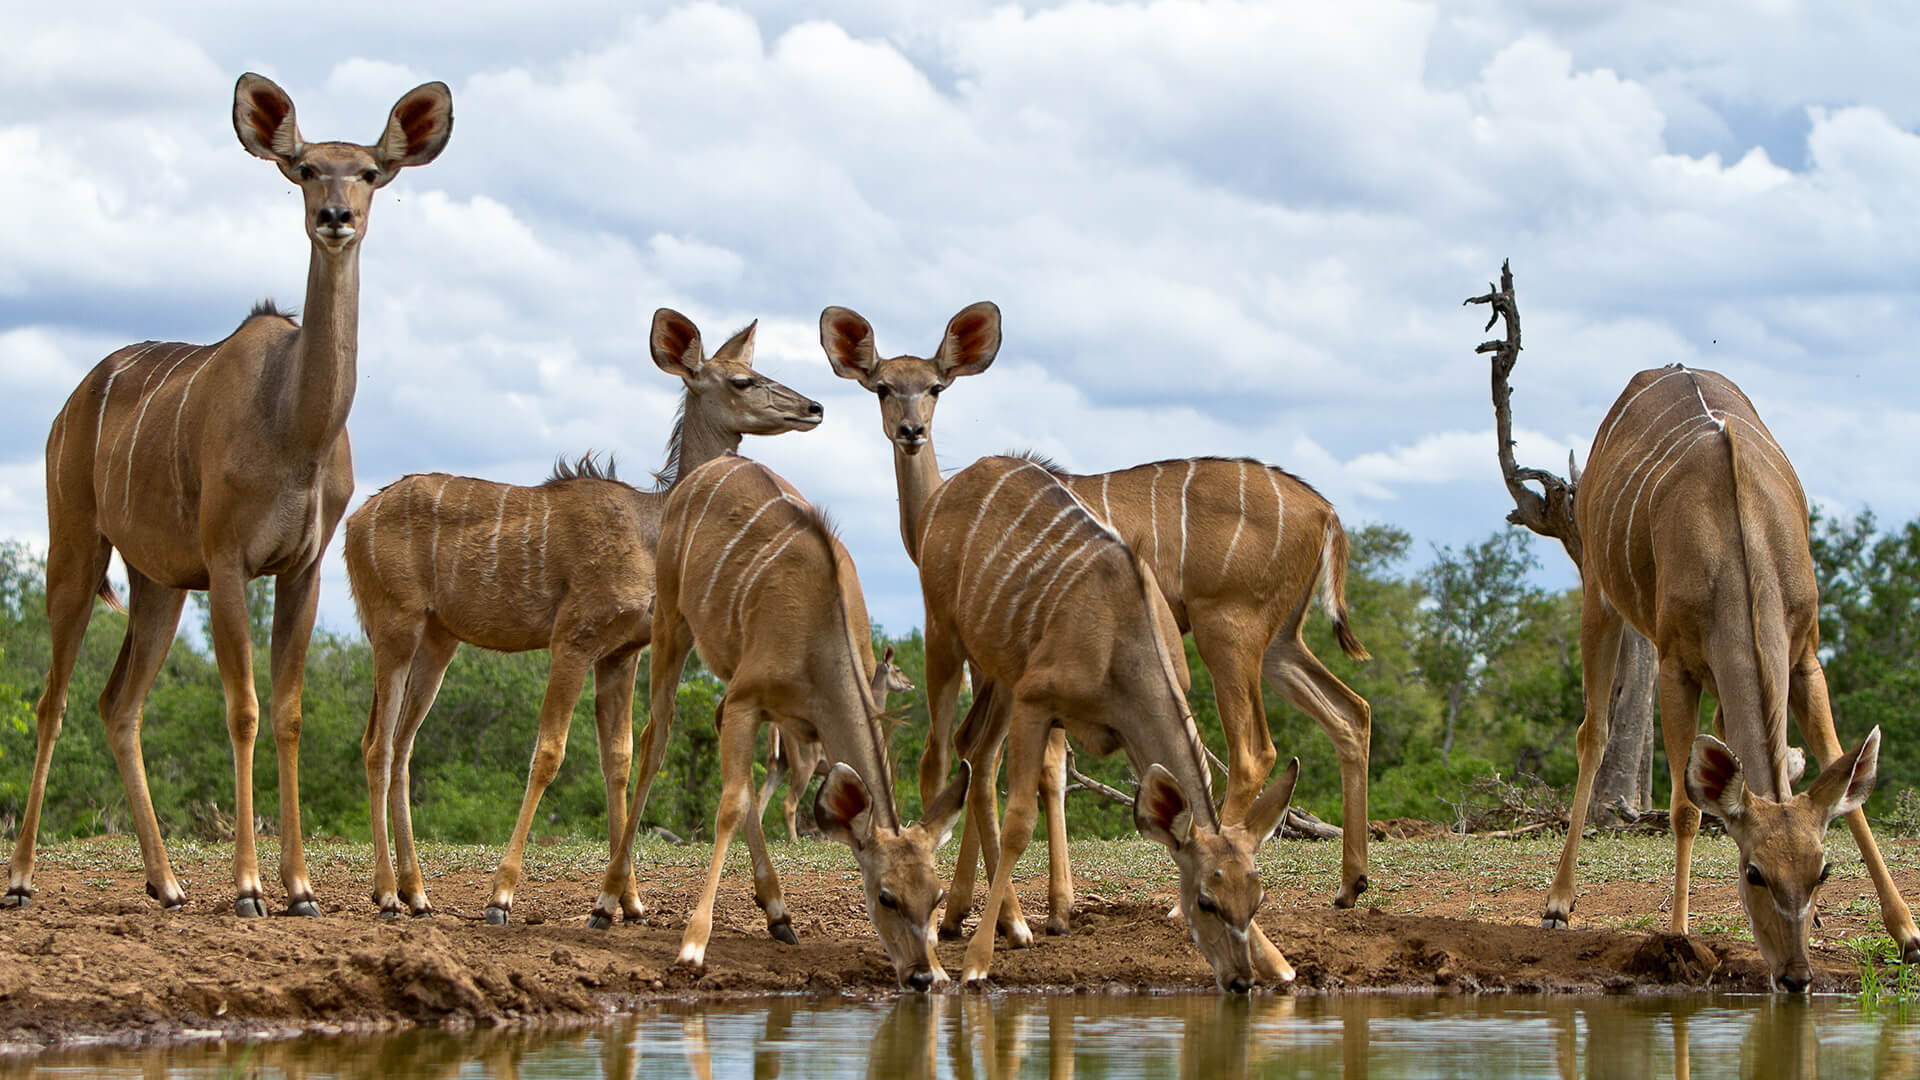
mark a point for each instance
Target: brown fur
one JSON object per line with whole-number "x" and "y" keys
{"x": 796, "y": 766}
{"x": 755, "y": 577}
{"x": 1071, "y": 627}
{"x": 1238, "y": 548}
{"x": 566, "y": 565}
{"x": 1694, "y": 530}
{"x": 208, "y": 466}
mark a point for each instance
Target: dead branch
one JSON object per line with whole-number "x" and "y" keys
{"x": 1549, "y": 511}
{"x": 1303, "y": 825}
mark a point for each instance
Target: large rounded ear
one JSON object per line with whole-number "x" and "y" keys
{"x": 886, "y": 657}
{"x": 943, "y": 813}
{"x": 1843, "y": 787}
{"x": 739, "y": 346}
{"x": 972, "y": 341}
{"x": 842, "y": 807}
{"x": 675, "y": 342}
{"x": 1161, "y": 811}
{"x": 848, "y": 341}
{"x": 417, "y": 128}
{"x": 263, "y": 118}
{"x": 1715, "y": 781}
{"x": 1263, "y": 817}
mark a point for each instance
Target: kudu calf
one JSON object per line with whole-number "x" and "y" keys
{"x": 436, "y": 560}
{"x": 798, "y": 765}
{"x": 1023, "y": 580}
{"x": 1694, "y": 532}
{"x": 753, "y": 575}
{"x": 1240, "y": 551}
{"x": 243, "y": 473}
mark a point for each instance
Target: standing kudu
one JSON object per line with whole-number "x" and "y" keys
{"x": 753, "y": 575}
{"x": 800, "y": 764}
{"x": 243, "y": 472}
{"x": 1239, "y": 549}
{"x": 1069, "y": 624}
{"x": 1694, "y": 532}
{"x": 436, "y": 560}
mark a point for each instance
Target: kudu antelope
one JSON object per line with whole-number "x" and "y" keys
{"x": 567, "y": 565}
{"x": 1239, "y": 549}
{"x": 754, "y": 575}
{"x": 798, "y": 765}
{"x": 1694, "y": 532}
{"x": 243, "y": 472}
{"x": 1069, "y": 623}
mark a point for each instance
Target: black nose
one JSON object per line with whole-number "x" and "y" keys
{"x": 920, "y": 980}
{"x": 1796, "y": 984}
{"x": 1239, "y": 985}
{"x": 335, "y": 215}
{"x": 814, "y": 408}
{"x": 912, "y": 431}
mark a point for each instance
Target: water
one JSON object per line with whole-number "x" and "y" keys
{"x": 975, "y": 1037}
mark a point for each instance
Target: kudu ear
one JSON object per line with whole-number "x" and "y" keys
{"x": 1843, "y": 787}
{"x": 263, "y": 118}
{"x": 848, "y": 341}
{"x": 739, "y": 346}
{"x": 843, "y": 806}
{"x": 1263, "y": 817}
{"x": 675, "y": 343}
{"x": 1715, "y": 782}
{"x": 417, "y": 128}
{"x": 1161, "y": 811}
{"x": 943, "y": 813}
{"x": 886, "y": 657}
{"x": 972, "y": 341}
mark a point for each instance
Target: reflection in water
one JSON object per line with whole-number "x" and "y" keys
{"x": 998, "y": 1037}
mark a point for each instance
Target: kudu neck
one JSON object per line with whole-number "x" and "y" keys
{"x": 310, "y": 402}
{"x": 918, "y": 476}
{"x": 700, "y": 435}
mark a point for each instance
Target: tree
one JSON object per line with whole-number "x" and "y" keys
{"x": 1475, "y": 611}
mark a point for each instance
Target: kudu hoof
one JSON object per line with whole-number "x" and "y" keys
{"x": 782, "y": 932}
{"x": 425, "y": 911}
{"x": 496, "y": 915}
{"x": 250, "y": 907}
{"x": 597, "y": 921}
{"x": 1551, "y": 921}
{"x": 951, "y": 933}
{"x": 1910, "y": 952}
{"x": 390, "y": 914}
{"x": 179, "y": 900}
{"x": 305, "y": 909}
{"x": 1345, "y": 899}
{"x": 17, "y": 898}
{"x": 1057, "y": 927}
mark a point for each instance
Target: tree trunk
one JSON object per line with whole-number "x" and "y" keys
{"x": 1626, "y": 769}
{"x": 1454, "y": 694}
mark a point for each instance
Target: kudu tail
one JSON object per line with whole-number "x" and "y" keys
{"x": 1766, "y": 612}
{"x": 1333, "y": 589}
{"x": 106, "y": 593}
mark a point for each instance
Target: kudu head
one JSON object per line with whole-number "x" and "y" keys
{"x": 903, "y": 889}
{"x": 907, "y": 386}
{"x": 895, "y": 680}
{"x": 1782, "y": 843}
{"x": 1219, "y": 884}
{"x": 338, "y": 179}
{"x": 724, "y": 386}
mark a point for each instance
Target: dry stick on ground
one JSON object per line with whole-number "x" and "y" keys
{"x": 1626, "y": 771}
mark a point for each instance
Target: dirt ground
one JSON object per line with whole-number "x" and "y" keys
{"x": 93, "y": 958}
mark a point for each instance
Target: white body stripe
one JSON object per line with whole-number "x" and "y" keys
{"x": 1239, "y": 523}
{"x": 720, "y": 560}
{"x": 1279, "y": 516}
{"x": 1047, "y": 590}
{"x": 373, "y": 543}
{"x": 433, "y": 542}
{"x": 694, "y": 525}
{"x": 743, "y": 585}
{"x": 1153, "y": 510}
{"x": 1066, "y": 514}
{"x": 1106, "y": 510}
{"x": 1606, "y": 435}
{"x": 1007, "y": 533}
{"x": 493, "y": 542}
{"x": 1184, "y": 486}
{"x": 546, "y": 513}
{"x": 106, "y": 394}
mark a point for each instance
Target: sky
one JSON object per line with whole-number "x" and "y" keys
{"x": 1212, "y": 228}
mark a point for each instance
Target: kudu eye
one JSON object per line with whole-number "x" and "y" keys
{"x": 883, "y": 391}
{"x": 889, "y": 901}
{"x": 1206, "y": 904}
{"x": 741, "y": 382}
{"x": 305, "y": 171}
{"x": 1825, "y": 869}
{"x": 370, "y": 175}
{"x": 1755, "y": 878}
{"x": 935, "y": 389}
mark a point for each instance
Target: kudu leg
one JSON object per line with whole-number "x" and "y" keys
{"x": 227, "y": 625}
{"x": 672, "y": 642}
{"x": 1029, "y": 745}
{"x": 777, "y": 769}
{"x": 766, "y": 881}
{"x": 1348, "y": 721}
{"x": 153, "y": 614}
{"x": 393, "y": 652}
{"x": 983, "y": 828}
{"x": 429, "y": 667}
{"x": 737, "y": 730}
{"x": 73, "y": 576}
{"x": 1599, "y": 645}
{"x": 613, "y": 718}
{"x": 1053, "y": 804}
{"x": 1813, "y": 712}
{"x": 296, "y": 598}
{"x": 567, "y": 675}
{"x": 1679, "y": 722}
{"x": 804, "y": 762}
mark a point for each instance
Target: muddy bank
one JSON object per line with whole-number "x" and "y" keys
{"x": 93, "y": 958}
